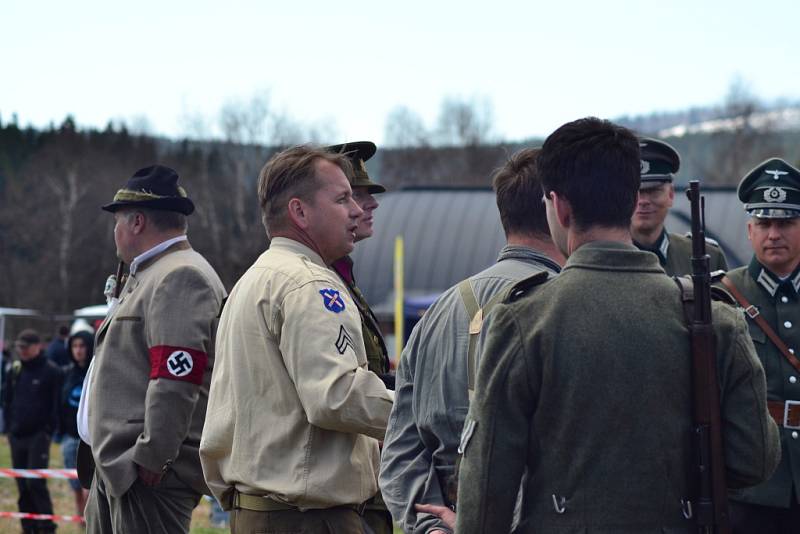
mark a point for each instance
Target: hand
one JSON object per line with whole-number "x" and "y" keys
{"x": 445, "y": 514}
{"x": 148, "y": 478}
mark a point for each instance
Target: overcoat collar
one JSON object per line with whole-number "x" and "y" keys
{"x": 613, "y": 256}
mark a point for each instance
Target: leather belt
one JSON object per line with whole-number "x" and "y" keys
{"x": 785, "y": 413}
{"x": 259, "y": 503}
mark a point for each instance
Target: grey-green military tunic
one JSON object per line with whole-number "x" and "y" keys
{"x": 777, "y": 302}
{"x": 586, "y": 381}
{"x": 674, "y": 253}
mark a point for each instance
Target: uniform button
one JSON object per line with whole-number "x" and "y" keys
{"x": 788, "y": 324}
{"x": 793, "y": 379}
{"x": 794, "y": 434}
{"x": 784, "y": 299}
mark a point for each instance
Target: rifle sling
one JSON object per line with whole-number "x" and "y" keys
{"x": 755, "y": 315}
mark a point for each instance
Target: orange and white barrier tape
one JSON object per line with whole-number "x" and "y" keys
{"x": 38, "y": 473}
{"x": 25, "y": 515}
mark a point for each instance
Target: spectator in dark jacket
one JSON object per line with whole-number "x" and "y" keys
{"x": 58, "y": 349}
{"x": 31, "y": 396}
{"x": 81, "y": 346}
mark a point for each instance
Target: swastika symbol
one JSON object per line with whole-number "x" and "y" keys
{"x": 180, "y": 363}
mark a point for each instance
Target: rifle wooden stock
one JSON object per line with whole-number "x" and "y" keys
{"x": 711, "y": 498}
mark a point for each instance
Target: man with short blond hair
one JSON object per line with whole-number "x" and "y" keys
{"x": 291, "y": 439}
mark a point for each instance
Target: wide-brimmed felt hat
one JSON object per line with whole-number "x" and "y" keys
{"x": 358, "y": 152}
{"x": 771, "y": 190}
{"x": 659, "y": 162}
{"x": 155, "y": 187}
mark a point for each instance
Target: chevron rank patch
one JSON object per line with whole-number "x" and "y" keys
{"x": 344, "y": 341}
{"x": 332, "y": 300}
{"x": 177, "y": 363}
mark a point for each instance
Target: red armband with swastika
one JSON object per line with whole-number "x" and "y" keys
{"x": 178, "y": 363}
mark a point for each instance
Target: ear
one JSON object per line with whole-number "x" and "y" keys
{"x": 298, "y": 214}
{"x": 562, "y": 209}
{"x": 750, "y": 229}
{"x": 138, "y": 223}
{"x": 671, "y": 194}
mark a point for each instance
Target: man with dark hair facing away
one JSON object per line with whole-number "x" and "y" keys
{"x": 585, "y": 380}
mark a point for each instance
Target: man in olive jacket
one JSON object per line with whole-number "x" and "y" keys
{"x": 585, "y": 380}
{"x": 770, "y": 283}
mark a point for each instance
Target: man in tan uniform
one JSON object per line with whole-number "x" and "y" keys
{"x": 291, "y": 439}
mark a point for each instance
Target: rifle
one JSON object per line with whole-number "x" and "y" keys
{"x": 711, "y": 503}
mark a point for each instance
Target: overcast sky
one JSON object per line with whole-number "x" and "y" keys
{"x": 343, "y": 66}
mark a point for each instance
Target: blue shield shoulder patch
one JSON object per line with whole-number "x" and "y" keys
{"x": 332, "y": 300}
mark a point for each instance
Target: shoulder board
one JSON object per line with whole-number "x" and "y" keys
{"x": 522, "y": 287}
{"x": 720, "y": 294}
{"x": 709, "y": 240}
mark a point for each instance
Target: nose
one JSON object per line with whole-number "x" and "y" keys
{"x": 355, "y": 210}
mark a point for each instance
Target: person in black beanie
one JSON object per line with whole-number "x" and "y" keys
{"x": 81, "y": 347}
{"x": 30, "y": 405}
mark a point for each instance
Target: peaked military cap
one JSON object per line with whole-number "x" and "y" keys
{"x": 771, "y": 190}
{"x": 155, "y": 187}
{"x": 358, "y": 152}
{"x": 659, "y": 162}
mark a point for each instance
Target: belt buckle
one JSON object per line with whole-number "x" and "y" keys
{"x": 752, "y": 311}
{"x": 789, "y": 405}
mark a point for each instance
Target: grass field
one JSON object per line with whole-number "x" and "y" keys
{"x": 64, "y": 504}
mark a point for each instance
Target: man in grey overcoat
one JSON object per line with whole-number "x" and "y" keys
{"x": 585, "y": 380}
{"x": 144, "y": 403}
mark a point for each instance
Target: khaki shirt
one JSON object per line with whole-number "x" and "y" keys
{"x": 293, "y": 412}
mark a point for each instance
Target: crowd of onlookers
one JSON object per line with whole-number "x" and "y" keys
{"x": 41, "y": 390}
